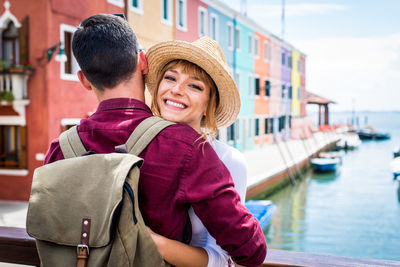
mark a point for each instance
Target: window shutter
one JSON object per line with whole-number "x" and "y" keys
{"x": 23, "y": 36}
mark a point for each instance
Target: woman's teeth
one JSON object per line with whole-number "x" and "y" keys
{"x": 178, "y": 105}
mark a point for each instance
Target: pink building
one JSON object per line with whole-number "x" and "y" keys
{"x": 276, "y": 86}
{"x": 188, "y": 15}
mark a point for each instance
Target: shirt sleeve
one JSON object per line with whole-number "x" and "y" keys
{"x": 54, "y": 153}
{"x": 208, "y": 187}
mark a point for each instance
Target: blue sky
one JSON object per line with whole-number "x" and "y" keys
{"x": 352, "y": 47}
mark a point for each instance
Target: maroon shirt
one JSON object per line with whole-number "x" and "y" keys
{"x": 178, "y": 171}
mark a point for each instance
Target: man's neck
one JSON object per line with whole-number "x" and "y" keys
{"x": 127, "y": 89}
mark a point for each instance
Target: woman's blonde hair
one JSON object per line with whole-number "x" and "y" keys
{"x": 208, "y": 122}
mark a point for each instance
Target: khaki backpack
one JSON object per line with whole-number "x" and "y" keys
{"x": 83, "y": 210}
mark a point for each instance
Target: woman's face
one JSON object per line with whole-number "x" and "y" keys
{"x": 182, "y": 97}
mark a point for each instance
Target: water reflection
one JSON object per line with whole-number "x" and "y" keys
{"x": 398, "y": 192}
{"x": 290, "y": 202}
{"x": 354, "y": 211}
{"x": 326, "y": 177}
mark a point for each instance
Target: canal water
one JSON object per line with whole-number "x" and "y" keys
{"x": 354, "y": 211}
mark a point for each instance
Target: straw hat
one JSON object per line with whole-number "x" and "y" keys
{"x": 208, "y": 55}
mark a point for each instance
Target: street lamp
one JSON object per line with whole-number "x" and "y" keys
{"x": 60, "y": 57}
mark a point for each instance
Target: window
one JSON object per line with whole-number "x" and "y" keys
{"x": 250, "y": 44}
{"x": 237, "y": 130}
{"x": 119, "y": 3}
{"x": 267, "y": 88}
{"x": 266, "y": 51}
{"x": 250, "y": 85}
{"x": 257, "y": 86}
{"x": 250, "y": 128}
{"x": 256, "y": 46}
{"x": 136, "y": 6}
{"x": 283, "y": 91}
{"x": 13, "y": 147}
{"x": 272, "y": 125}
{"x": 266, "y": 125}
{"x": 290, "y": 62}
{"x": 214, "y": 27}
{"x": 10, "y": 44}
{"x": 257, "y": 128}
{"x": 166, "y": 12}
{"x": 181, "y": 15}
{"x": 283, "y": 59}
{"x": 230, "y": 35}
{"x": 202, "y": 21}
{"x": 231, "y": 132}
{"x": 70, "y": 67}
{"x": 290, "y": 94}
{"x": 237, "y": 38}
{"x": 237, "y": 79}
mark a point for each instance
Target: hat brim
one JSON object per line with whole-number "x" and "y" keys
{"x": 229, "y": 99}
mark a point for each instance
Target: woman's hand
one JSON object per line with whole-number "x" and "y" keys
{"x": 177, "y": 253}
{"x": 159, "y": 240}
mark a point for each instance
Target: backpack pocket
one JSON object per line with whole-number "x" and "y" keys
{"x": 66, "y": 191}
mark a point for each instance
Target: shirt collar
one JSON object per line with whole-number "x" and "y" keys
{"x": 122, "y": 103}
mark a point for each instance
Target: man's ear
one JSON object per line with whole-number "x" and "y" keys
{"x": 143, "y": 63}
{"x": 84, "y": 81}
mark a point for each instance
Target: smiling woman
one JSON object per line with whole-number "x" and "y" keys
{"x": 190, "y": 84}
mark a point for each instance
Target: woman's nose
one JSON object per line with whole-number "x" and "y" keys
{"x": 177, "y": 88}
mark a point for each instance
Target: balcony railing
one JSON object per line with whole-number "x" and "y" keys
{"x": 17, "y": 247}
{"x": 14, "y": 85}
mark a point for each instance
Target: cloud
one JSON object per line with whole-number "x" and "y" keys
{"x": 305, "y": 9}
{"x": 364, "y": 69}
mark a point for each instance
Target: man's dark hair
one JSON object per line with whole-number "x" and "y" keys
{"x": 105, "y": 47}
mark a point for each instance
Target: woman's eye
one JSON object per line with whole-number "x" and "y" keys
{"x": 170, "y": 78}
{"x": 197, "y": 87}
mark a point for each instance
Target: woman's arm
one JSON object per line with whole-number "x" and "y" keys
{"x": 178, "y": 253}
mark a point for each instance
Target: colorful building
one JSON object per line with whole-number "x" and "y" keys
{"x": 243, "y": 71}
{"x": 262, "y": 90}
{"x": 286, "y": 83}
{"x": 276, "y": 86}
{"x": 152, "y": 29}
{"x": 44, "y": 91}
{"x": 40, "y": 96}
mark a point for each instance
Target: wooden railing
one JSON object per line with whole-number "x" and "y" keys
{"x": 17, "y": 247}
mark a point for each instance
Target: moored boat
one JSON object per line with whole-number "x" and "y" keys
{"x": 262, "y": 210}
{"x": 325, "y": 164}
{"x": 396, "y": 152}
{"x": 349, "y": 141}
{"x": 395, "y": 167}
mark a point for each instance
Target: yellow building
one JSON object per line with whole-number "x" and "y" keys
{"x": 149, "y": 29}
{"x": 296, "y": 84}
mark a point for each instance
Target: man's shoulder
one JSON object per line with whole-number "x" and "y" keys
{"x": 181, "y": 133}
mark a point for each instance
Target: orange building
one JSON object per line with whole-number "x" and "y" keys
{"x": 262, "y": 85}
{"x": 38, "y": 93}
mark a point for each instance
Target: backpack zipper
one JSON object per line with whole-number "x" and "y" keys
{"x": 129, "y": 190}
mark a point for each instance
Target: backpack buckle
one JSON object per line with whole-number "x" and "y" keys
{"x": 81, "y": 247}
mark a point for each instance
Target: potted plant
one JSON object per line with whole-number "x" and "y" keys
{"x": 6, "y": 98}
{"x": 3, "y": 66}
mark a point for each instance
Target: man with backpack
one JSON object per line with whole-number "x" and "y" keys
{"x": 179, "y": 171}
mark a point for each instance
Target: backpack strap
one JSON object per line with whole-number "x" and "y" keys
{"x": 71, "y": 144}
{"x": 144, "y": 133}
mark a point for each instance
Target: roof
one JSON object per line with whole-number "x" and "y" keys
{"x": 316, "y": 99}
